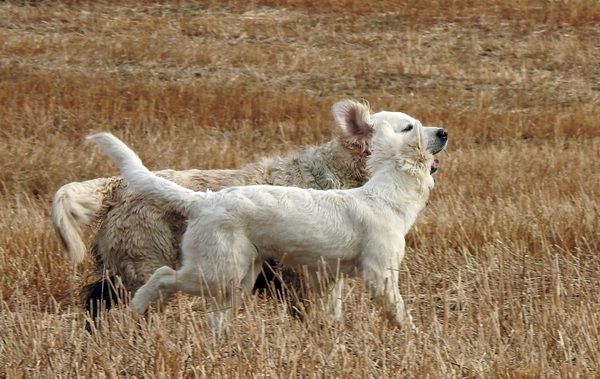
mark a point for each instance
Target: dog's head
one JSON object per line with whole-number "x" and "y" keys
{"x": 401, "y": 157}
{"x": 358, "y": 125}
{"x": 435, "y": 138}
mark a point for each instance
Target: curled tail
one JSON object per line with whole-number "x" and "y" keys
{"x": 141, "y": 179}
{"x": 76, "y": 205}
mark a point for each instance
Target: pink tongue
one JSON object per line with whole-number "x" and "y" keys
{"x": 436, "y": 163}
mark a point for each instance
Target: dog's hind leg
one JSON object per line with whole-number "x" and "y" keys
{"x": 232, "y": 298}
{"x": 162, "y": 283}
{"x": 229, "y": 298}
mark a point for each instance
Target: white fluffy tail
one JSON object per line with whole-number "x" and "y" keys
{"x": 141, "y": 179}
{"x": 74, "y": 206}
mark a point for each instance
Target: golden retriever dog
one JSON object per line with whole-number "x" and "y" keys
{"x": 356, "y": 232}
{"x": 137, "y": 234}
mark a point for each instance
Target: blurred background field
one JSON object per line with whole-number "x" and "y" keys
{"x": 501, "y": 273}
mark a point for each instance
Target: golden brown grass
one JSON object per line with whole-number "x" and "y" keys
{"x": 501, "y": 272}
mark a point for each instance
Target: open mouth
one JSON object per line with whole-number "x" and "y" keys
{"x": 434, "y": 166}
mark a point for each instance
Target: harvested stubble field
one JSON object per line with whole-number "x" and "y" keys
{"x": 501, "y": 272}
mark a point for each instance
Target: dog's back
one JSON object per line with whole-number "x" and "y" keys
{"x": 287, "y": 219}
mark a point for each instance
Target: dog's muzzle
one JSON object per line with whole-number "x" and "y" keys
{"x": 441, "y": 143}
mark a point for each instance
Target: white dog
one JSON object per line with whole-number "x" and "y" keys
{"x": 134, "y": 234}
{"x": 355, "y": 232}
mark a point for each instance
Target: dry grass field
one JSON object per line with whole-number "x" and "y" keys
{"x": 502, "y": 271}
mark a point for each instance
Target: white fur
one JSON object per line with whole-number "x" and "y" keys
{"x": 231, "y": 232}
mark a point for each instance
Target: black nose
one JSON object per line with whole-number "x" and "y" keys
{"x": 442, "y": 133}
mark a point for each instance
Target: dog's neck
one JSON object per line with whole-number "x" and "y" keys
{"x": 403, "y": 185}
{"x": 396, "y": 182}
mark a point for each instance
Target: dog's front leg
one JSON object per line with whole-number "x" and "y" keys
{"x": 386, "y": 293}
{"x": 335, "y": 300}
{"x": 328, "y": 293}
{"x": 395, "y": 308}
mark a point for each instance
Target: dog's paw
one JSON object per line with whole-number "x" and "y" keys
{"x": 411, "y": 324}
{"x": 139, "y": 306}
{"x": 414, "y": 329}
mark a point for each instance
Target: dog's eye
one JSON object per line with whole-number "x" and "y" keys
{"x": 408, "y": 128}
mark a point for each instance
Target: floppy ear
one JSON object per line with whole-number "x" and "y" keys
{"x": 383, "y": 129}
{"x": 385, "y": 146}
{"x": 384, "y": 136}
{"x": 355, "y": 120}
